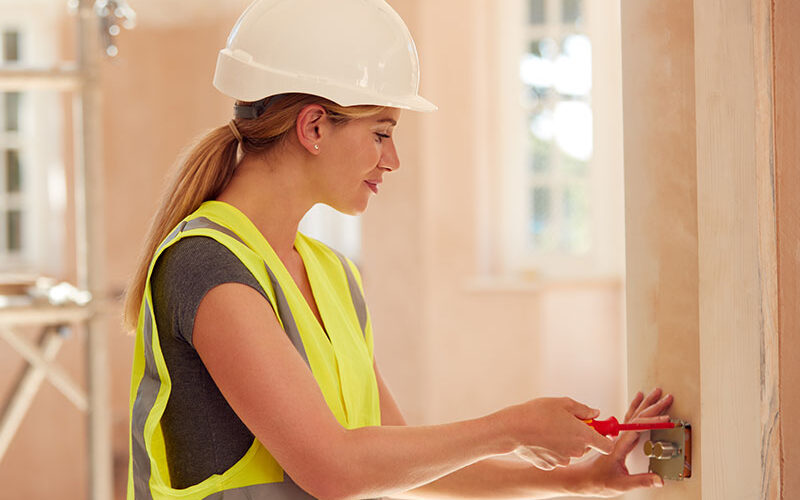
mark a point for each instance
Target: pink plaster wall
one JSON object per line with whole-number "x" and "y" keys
{"x": 157, "y": 98}
{"x": 449, "y": 350}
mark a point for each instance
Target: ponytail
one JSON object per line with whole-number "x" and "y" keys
{"x": 204, "y": 173}
{"x": 208, "y": 168}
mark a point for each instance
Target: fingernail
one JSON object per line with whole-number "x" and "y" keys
{"x": 658, "y": 482}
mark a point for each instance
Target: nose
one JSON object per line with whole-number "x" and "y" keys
{"x": 389, "y": 159}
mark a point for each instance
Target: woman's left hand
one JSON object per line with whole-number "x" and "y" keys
{"x": 607, "y": 475}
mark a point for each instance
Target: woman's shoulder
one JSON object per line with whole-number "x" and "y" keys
{"x": 187, "y": 270}
{"x": 198, "y": 253}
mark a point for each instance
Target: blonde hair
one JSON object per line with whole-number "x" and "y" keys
{"x": 208, "y": 167}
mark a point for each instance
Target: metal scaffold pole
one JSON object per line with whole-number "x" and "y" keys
{"x": 89, "y": 188}
{"x": 53, "y": 308}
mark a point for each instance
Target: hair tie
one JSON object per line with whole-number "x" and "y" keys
{"x": 235, "y": 130}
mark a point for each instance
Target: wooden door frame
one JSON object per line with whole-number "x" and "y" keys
{"x": 711, "y": 121}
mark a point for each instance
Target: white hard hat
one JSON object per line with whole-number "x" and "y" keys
{"x": 352, "y": 52}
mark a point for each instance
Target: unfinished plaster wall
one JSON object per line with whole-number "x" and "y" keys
{"x": 154, "y": 106}
{"x": 448, "y": 348}
{"x": 661, "y": 209}
{"x": 453, "y": 340}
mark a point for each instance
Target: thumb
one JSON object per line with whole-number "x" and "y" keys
{"x": 580, "y": 410}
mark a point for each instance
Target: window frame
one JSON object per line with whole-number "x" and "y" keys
{"x": 42, "y": 198}
{"x": 605, "y": 178}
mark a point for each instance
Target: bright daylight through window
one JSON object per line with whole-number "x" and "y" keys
{"x": 556, "y": 71}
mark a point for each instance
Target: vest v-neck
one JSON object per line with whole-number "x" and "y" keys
{"x": 304, "y": 259}
{"x": 261, "y": 245}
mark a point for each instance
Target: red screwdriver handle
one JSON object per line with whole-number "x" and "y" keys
{"x": 607, "y": 427}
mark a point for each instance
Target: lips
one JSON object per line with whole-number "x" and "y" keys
{"x": 373, "y": 185}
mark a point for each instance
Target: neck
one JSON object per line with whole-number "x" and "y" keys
{"x": 274, "y": 196}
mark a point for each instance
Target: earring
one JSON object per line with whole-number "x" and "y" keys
{"x": 316, "y": 146}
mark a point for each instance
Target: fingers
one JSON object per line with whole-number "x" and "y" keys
{"x": 597, "y": 441}
{"x": 659, "y": 407}
{"x": 626, "y": 443}
{"x": 648, "y": 480}
{"x": 637, "y": 400}
{"x": 648, "y": 400}
{"x": 650, "y": 420}
{"x": 580, "y": 410}
{"x": 651, "y": 405}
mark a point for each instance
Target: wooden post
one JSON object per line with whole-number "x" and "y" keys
{"x": 737, "y": 249}
{"x": 661, "y": 210}
{"x": 702, "y": 230}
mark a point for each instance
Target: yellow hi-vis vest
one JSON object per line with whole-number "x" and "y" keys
{"x": 341, "y": 365}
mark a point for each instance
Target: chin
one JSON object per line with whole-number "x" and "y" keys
{"x": 351, "y": 209}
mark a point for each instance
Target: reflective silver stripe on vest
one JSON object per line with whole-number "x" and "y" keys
{"x": 150, "y": 384}
{"x": 355, "y": 293}
{"x": 146, "y": 395}
{"x": 287, "y": 490}
{"x": 289, "y": 325}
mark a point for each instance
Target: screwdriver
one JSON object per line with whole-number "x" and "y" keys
{"x": 611, "y": 426}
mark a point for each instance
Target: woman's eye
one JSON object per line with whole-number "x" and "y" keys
{"x": 381, "y": 137}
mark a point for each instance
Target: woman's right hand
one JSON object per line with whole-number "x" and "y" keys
{"x": 548, "y": 432}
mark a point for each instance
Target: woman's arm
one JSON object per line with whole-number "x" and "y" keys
{"x": 509, "y": 478}
{"x": 272, "y": 390}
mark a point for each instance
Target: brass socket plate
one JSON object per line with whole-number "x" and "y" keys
{"x": 678, "y": 467}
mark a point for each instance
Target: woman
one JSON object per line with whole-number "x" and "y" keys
{"x": 253, "y": 374}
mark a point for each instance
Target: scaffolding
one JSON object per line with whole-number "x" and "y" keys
{"x": 97, "y": 22}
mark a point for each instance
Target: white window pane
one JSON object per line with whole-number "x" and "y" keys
{"x": 537, "y": 67}
{"x": 573, "y": 68}
{"x": 573, "y": 125}
{"x": 576, "y": 234}
{"x": 541, "y": 155}
{"x": 541, "y": 224}
{"x": 543, "y": 125}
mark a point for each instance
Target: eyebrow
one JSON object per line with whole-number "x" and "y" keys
{"x": 390, "y": 120}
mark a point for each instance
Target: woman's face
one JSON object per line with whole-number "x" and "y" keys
{"x": 357, "y": 155}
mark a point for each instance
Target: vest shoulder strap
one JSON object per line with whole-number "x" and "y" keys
{"x": 355, "y": 291}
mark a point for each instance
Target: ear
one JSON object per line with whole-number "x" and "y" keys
{"x": 311, "y": 123}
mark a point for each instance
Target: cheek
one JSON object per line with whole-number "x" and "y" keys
{"x": 362, "y": 157}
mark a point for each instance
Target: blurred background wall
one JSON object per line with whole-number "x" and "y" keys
{"x": 492, "y": 260}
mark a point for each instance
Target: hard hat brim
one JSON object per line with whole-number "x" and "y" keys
{"x": 254, "y": 82}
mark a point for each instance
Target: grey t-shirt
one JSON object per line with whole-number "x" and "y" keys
{"x": 202, "y": 434}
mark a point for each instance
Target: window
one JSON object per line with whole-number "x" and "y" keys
{"x": 339, "y": 231}
{"x": 32, "y": 176}
{"x": 11, "y": 208}
{"x": 556, "y": 71}
{"x": 561, "y": 141}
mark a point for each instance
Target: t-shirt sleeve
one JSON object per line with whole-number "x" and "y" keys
{"x": 185, "y": 273}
